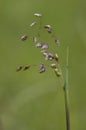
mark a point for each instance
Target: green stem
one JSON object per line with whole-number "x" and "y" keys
{"x": 67, "y": 94}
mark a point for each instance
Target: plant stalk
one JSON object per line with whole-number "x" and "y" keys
{"x": 66, "y": 94}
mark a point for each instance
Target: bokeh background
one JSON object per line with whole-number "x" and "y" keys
{"x": 28, "y": 100}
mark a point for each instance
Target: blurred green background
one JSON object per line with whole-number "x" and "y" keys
{"x": 28, "y": 100}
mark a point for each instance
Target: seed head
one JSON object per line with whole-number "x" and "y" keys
{"x": 45, "y": 46}
{"x": 47, "y": 26}
{"x": 35, "y": 39}
{"x": 39, "y": 45}
{"x": 42, "y": 68}
{"x": 19, "y": 68}
{"x": 38, "y": 15}
{"x": 26, "y": 67}
{"x": 56, "y": 57}
{"x": 48, "y": 56}
{"x": 32, "y": 24}
{"x": 49, "y": 30}
{"x": 57, "y": 72}
{"x": 57, "y": 41}
{"x": 53, "y": 66}
{"x": 44, "y": 52}
{"x": 24, "y": 37}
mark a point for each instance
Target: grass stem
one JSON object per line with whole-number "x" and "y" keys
{"x": 66, "y": 93}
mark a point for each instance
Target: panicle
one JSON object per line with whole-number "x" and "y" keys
{"x": 44, "y": 46}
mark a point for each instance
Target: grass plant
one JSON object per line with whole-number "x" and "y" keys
{"x": 52, "y": 58}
